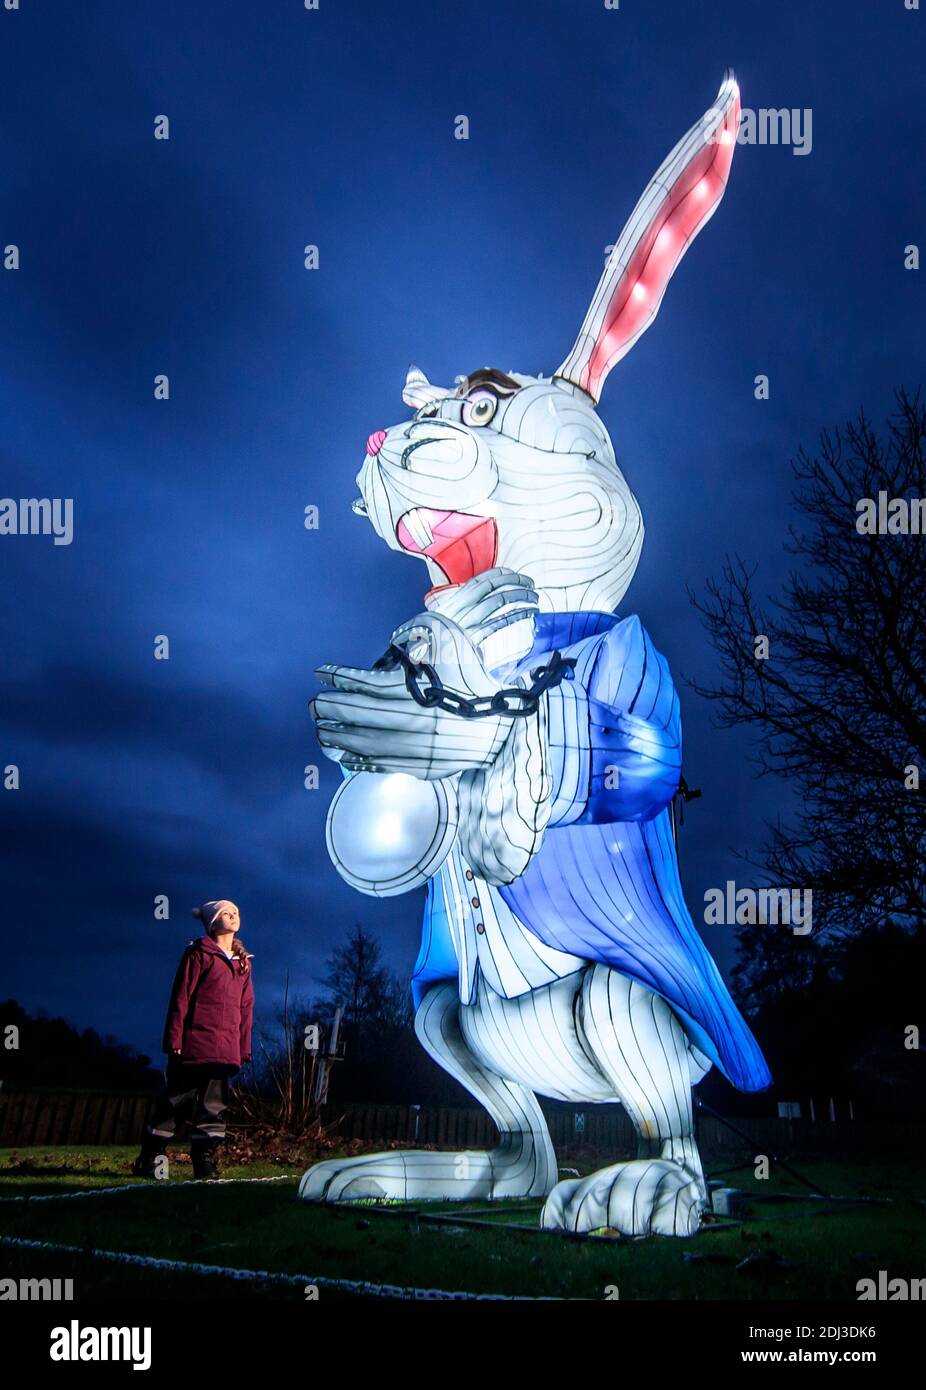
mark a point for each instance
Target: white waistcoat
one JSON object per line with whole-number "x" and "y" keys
{"x": 511, "y": 959}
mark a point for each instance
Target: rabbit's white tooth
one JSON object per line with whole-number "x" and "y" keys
{"x": 418, "y": 529}
{"x": 411, "y": 525}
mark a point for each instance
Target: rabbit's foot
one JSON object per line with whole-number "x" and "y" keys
{"x": 415, "y": 1175}
{"x": 647, "y": 1196}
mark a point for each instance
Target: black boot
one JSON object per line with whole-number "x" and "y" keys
{"x": 153, "y": 1147}
{"x": 205, "y": 1156}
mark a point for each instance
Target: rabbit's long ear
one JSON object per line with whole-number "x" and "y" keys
{"x": 418, "y": 391}
{"x": 680, "y": 198}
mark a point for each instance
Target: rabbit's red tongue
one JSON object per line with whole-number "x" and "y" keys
{"x": 463, "y": 545}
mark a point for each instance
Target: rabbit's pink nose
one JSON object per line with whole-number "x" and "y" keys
{"x": 375, "y": 442}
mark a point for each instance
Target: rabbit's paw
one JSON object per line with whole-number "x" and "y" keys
{"x": 415, "y": 1175}
{"x": 643, "y": 1197}
{"x": 352, "y": 1179}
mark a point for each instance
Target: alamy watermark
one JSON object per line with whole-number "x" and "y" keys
{"x": 76, "y": 1343}
{"x": 36, "y": 1290}
{"x": 38, "y": 516}
{"x": 741, "y": 907}
{"x": 890, "y": 516}
{"x": 891, "y": 1290}
{"x": 766, "y": 126}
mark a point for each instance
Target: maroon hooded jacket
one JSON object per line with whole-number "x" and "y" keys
{"x": 211, "y": 1007}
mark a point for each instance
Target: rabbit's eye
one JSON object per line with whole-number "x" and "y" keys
{"x": 479, "y": 408}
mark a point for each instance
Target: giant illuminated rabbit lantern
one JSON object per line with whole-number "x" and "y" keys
{"x": 517, "y": 749}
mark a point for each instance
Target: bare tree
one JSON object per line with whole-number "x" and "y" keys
{"x": 365, "y": 989}
{"x": 280, "y": 1096}
{"x": 280, "y": 1099}
{"x": 838, "y": 707}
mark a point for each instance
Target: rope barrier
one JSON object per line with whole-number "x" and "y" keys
{"x": 317, "y": 1281}
{"x": 143, "y": 1187}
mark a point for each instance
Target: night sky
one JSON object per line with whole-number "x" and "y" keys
{"x": 139, "y": 257}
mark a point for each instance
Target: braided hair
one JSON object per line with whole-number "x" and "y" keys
{"x": 238, "y": 949}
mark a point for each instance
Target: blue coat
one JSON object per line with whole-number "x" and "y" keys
{"x": 605, "y": 883}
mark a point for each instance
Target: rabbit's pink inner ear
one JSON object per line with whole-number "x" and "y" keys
{"x": 679, "y": 200}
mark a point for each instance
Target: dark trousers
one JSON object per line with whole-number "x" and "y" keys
{"x": 194, "y": 1094}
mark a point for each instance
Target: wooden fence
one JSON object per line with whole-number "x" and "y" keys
{"x": 460, "y": 1128}
{"x": 35, "y": 1118}
{"x": 70, "y": 1117}
{"x": 603, "y": 1128}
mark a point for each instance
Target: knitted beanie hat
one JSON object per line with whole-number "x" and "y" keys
{"x": 209, "y": 912}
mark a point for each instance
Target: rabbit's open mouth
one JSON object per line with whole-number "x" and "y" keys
{"x": 462, "y": 545}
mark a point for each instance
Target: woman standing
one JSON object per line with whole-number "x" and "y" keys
{"x": 207, "y": 1038}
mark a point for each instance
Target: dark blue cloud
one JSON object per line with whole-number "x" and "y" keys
{"x": 185, "y": 257}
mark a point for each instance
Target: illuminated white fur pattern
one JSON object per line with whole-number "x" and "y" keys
{"x": 525, "y": 1019}
{"x": 545, "y": 464}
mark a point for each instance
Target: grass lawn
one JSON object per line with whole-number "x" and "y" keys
{"x": 808, "y": 1250}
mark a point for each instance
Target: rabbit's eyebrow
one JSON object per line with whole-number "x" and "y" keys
{"x": 501, "y": 383}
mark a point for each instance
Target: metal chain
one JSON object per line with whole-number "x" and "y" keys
{"x": 515, "y": 701}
